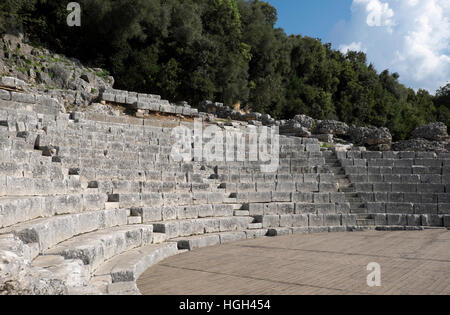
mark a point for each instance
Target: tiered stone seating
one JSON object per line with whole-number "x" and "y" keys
{"x": 99, "y": 199}
{"x": 401, "y": 188}
{"x": 147, "y": 102}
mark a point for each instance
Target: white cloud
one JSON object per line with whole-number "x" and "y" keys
{"x": 410, "y": 37}
{"x": 354, "y": 46}
{"x": 378, "y": 13}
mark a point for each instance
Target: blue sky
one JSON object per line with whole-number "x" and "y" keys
{"x": 314, "y": 18}
{"x": 410, "y": 37}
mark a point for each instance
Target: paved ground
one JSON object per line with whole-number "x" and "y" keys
{"x": 411, "y": 263}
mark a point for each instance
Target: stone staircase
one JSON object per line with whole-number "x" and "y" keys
{"x": 357, "y": 205}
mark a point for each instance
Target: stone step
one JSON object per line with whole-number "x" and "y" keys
{"x": 255, "y": 226}
{"x": 134, "y": 220}
{"x": 48, "y": 232}
{"x": 96, "y": 247}
{"x": 207, "y": 240}
{"x": 282, "y": 231}
{"x": 185, "y": 228}
{"x": 129, "y": 266}
{"x": 239, "y": 206}
{"x": 159, "y": 238}
{"x": 241, "y": 213}
{"x": 72, "y": 272}
{"x": 358, "y": 206}
{"x": 230, "y": 201}
{"x": 364, "y": 217}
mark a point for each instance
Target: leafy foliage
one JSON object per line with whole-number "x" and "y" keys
{"x": 227, "y": 51}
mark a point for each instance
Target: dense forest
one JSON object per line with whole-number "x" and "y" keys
{"x": 227, "y": 51}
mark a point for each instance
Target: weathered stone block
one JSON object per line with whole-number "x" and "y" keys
{"x": 426, "y": 208}
{"x": 199, "y": 242}
{"x": 432, "y": 220}
{"x": 5, "y": 95}
{"x": 269, "y": 221}
{"x": 444, "y": 208}
{"x": 223, "y": 210}
{"x": 286, "y": 208}
{"x": 325, "y": 208}
{"x": 348, "y": 219}
{"x": 316, "y": 220}
{"x": 332, "y": 219}
{"x": 169, "y": 213}
{"x": 281, "y": 196}
{"x": 405, "y": 208}
{"x": 376, "y": 207}
{"x": 301, "y": 197}
{"x": 396, "y": 219}
{"x": 414, "y": 220}
{"x": 447, "y": 220}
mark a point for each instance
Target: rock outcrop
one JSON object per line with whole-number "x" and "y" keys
{"x": 421, "y": 145}
{"x": 64, "y": 78}
{"x": 17, "y": 275}
{"x": 332, "y": 127}
{"x": 432, "y": 132}
{"x": 375, "y": 139}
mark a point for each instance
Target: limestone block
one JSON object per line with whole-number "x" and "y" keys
{"x": 316, "y": 220}
{"x": 211, "y": 225}
{"x": 321, "y": 198}
{"x": 286, "y": 208}
{"x": 447, "y": 220}
{"x": 301, "y": 197}
{"x": 432, "y": 220}
{"x": 430, "y": 188}
{"x": 205, "y": 211}
{"x": 5, "y": 95}
{"x": 94, "y": 202}
{"x": 152, "y": 199}
{"x": 253, "y": 234}
{"x": 325, "y": 208}
{"x": 348, "y": 219}
{"x": 270, "y": 208}
{"x": 426, "y": 208}
{"x": 23, "y": 97}
{"x": 304, "y": 208}
{"x": 269, "y": 221}
{"x": 307, "y": 187}
{"x": 233, "y": 224}
{"x": 376, "y": 207}
{"x": 256, "y": 209}
{"x": 396, "y": 219}
{"x": 281, "y": 231}
{"x": 169, "y": 213}
{"x": 281, "y": 196}
{"x": 8, "y": 82}
{"x": 396, "y": 197}
{"x": 444, "y": 208}
{"x": 232, "y": 237}
{"x": 259, "y": 197}
{"x": 413, "y": 220}
{"x": 215, "y": 197}
{"x": 171, "y": 229}
{"x": 412, "y": 197}
{"x": 337, "y": 197}
{"x": 223, "y": 210}
{"x": 187, "y": 212}
{"x": 190, "y": 227}
{"x": 404, "y": 208}
{"x": 332, "y": 219}
{"x": 199, "y": 242}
